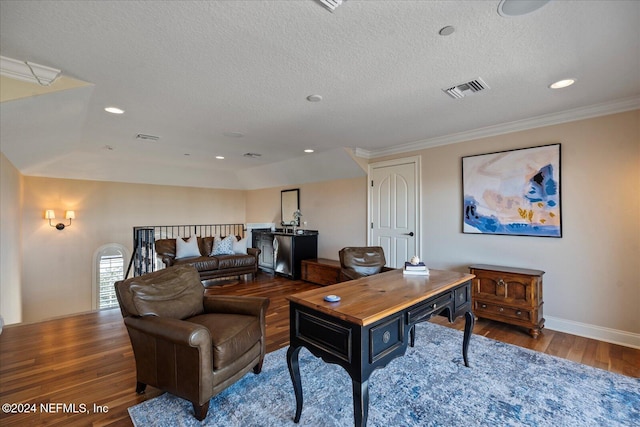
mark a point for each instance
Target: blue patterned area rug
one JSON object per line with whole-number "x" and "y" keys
{"x": 429, "y": 386}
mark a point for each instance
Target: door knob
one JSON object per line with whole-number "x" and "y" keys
{"x": 409, "y": 234}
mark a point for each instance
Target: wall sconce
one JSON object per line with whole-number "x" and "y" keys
{"x": 49, "y": 214}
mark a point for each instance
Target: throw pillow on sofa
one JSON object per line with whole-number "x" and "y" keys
{"x": 187, "y": 248}
{"x": 223, "y": 246}
{"x": 240, "y": 246}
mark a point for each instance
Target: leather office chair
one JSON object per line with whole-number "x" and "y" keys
{"x": 187, "y": 343}
{"x": 360, "y": 261}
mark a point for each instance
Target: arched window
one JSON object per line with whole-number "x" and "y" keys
{"x": 108, "y": 267}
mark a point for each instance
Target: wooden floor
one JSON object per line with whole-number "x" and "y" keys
{"x": 81, "y": 367}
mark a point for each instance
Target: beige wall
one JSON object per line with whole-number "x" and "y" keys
{"x": 10, "y": 242}
{"x": 57, "y": 268}
{"x": 591, "y": 285}
{"x": 591, "y": 279}
{"x": 337, "y": 209}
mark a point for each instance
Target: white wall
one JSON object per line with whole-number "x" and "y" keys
{"x": 10, "y": 242}
{"x": 591, "y": 285}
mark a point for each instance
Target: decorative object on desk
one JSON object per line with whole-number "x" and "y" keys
{"x": 514, "y": 192}
{"x": 429, "y": 385}
{"x": 415, "y": 267}
{"x": 332, "y": 298}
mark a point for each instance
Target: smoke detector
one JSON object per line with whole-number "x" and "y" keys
{"x": 466, "y": 89}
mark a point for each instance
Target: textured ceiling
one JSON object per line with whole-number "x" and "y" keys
{"x": 191, "y": 72}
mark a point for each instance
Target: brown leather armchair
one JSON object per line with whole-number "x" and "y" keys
{"x": 187, "y": 343}
{"x": 360, "y": 261}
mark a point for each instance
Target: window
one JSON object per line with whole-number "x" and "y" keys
{"x": 109, "y": 267}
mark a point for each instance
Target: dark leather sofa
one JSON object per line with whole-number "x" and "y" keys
{"x": 210, "y": 266}
{"x": 187, "y": 343}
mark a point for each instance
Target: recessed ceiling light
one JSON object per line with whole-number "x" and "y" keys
{"x": 562, "y": 83}
{"x": 308, "y": 150}
{"x": 114, "y": 110}
{"x": 314, "y": 98}
{"x": 508, "y": 8}
{"x": 220, "y": 157}
{"x": 446, "y": 31}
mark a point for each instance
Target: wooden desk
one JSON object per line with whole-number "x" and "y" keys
{"x": 372, "y": 324}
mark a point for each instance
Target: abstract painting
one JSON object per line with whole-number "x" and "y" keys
{"x": 514, "y": 192}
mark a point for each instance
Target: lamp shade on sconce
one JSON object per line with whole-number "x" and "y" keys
{"x": 50, "y": 214}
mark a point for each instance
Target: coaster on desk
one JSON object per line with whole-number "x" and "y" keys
{"x": 332, "y": 298}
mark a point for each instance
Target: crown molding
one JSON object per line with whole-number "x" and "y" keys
{"x": 603, "y": 109}
{"x": 28, "y": 71}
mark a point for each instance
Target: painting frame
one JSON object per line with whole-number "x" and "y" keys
{"x": 513, "y": 192}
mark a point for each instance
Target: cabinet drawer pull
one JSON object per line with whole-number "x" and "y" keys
{"x": 434, "y": 306}
{"x": 501, "y": 282}
{"x": 501, "y": 309}
{"x": 484, "y": 305}
{"x": 518, "y": 313}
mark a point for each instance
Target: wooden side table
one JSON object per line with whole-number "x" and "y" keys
{"x": 321, "y": 271}
{"x": 510, "y": 295}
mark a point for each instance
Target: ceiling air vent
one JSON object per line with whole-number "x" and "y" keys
{"x": 466, "y": 89}
{"x": 331, "y": 4}
{"x": 147, "y": 137}
{"x": 252, "y": 155}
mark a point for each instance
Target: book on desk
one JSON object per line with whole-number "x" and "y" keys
{"x": 419, "y": 269}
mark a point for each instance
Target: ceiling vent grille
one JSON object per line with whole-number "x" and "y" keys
{"x": 466, "y": 89}
{"x": 330, "y": 4}
{"x": 252, "y": 155}
{"x": 147, "y": 137}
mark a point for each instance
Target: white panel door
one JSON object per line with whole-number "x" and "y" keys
{"x": 393, "y": 203}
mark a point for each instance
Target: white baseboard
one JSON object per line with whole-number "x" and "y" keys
{"x": 627, "y": 339}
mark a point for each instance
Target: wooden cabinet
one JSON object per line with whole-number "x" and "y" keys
{"x": 264, "y": 242}
{"x": 321, "y": 271}
{"x": 510, "y": 295}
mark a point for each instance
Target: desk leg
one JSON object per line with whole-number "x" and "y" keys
{"x": 294, "y": 371}
{"x": 468, "y": 328}
{"x": 360, "y": 402}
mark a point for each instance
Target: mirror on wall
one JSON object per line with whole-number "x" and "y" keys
{"x": 289, "y": 203}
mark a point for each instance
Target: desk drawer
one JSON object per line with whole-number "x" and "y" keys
{"x": 427, "y": 309}
{"x": 462, "y": 296}
{"x": 385, "y": 338}
{"x": 332, "y": 337}
{"x": 492, "y": 310}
